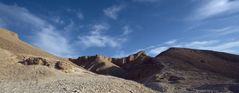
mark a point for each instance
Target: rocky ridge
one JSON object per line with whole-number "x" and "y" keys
{"x": 176, "y": 70}
{"x": 133, "y": 67}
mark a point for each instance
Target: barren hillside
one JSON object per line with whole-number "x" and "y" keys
{"x": 25, "y": 69}
{"x": 10, "y": 41}
{"x": 176, "y": 70}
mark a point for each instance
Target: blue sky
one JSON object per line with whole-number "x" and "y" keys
{"x": 72, "y": 28}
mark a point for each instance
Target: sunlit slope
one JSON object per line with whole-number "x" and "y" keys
{"x": 10, "y": 41}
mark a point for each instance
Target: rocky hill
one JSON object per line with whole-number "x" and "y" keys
{"x": 134, "y": 67}
{"x": 223, "y": 63}
{"x": 26, "y": 69}
{"x": 198, "y": 70}
{"x": 174, "y": 70}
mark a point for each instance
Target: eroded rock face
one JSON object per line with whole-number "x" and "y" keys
{"x": 62, "y": 65}
{"x": 133, "y": 67}
{"x": 99, "y": 64}
{"x": 44, "y": 62}
{"x": 177, "y": 70}
{"x": 35, "y": 61}
{"x": 140, "y": 56}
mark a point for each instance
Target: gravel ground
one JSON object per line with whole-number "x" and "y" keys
{"x": 74, "y": 84}
{"x": 18, "y": 78}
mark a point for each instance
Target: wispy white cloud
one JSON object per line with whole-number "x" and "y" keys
{"x": 14, "y": 13}
{"x": 45, "y": 35}
{"x": 156, "y": 51}
{"x": 171, "y": 42}
{"x": 53, "y": 42}
{"x": 223, "y": 31}
{"x": 57, "y": 20}
{"x": 98, "y": 29}
{"x": 216, "y": 45}
{"x": 126, "y": 30}
{"x": 97, "y": 38}
{"x": 211, "y": 8}
{"x": 113, "y": 11}
{"x": 49, "y": 37}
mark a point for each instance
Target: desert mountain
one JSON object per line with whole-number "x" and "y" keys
{"x": 223, "y": 63}
{"x": 175, "y": 70}
{"x": 134, "y": 67}
{"x": 26, "y": 69}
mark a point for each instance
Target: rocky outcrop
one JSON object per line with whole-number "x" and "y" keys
{"x": 134, "y": 67}
{"x": 178, "y": 70}
{"x": 139, "y": 56}
{"x": 35, "y": 61}
{"x": 99, "y": 64}
{"x": 62, "y": 66}
{"x": 44, "y": 62}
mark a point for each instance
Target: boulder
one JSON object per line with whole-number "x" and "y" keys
{"x": 62, "y": 65}
{"x": 35, "y": 61}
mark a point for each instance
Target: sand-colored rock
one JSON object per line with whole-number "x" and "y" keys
{"x": 25, "y": 69}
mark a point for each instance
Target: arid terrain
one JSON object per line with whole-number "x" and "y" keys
{"x": 26, "y": 69}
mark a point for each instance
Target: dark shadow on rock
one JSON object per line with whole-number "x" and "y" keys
{"x": 35, "y": 61}
{"x": 115, "y": 71}
{"x": 216, "y": 88}
{"x": 234, "y": 88}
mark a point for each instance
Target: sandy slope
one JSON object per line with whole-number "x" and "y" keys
{"x": 10, "y": 41}
{"x": 18, "y": 78}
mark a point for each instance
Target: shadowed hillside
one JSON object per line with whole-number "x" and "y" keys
{"x": 219, "y": 62}
{"x": 174, "y": 70}
{"x": 134, "y": 67}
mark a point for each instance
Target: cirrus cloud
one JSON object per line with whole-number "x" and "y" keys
{"x": 44, "y": 35}
{"x": 216, "y": 45}
{"x": 211, "y": 8}
{"x": 97, "y": 38}
{"x": 113, "y": 11}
